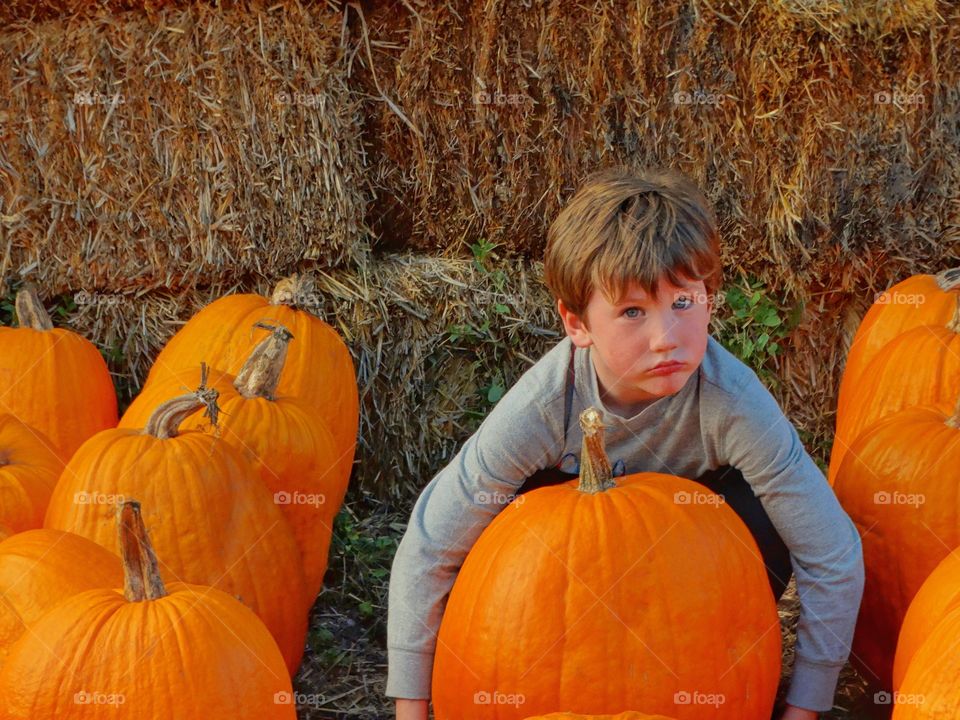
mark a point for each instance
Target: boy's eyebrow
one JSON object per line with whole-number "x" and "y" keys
{"x": 637, "y": 298}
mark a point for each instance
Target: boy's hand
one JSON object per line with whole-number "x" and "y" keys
{"x": 412, "y": 709}
{"x": 790, "y": 713}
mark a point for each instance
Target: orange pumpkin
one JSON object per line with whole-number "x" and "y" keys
{"x": 898, "y": 484}
{"x": 213, "y": 519}
{"x": 319, "y": 368}
{"x": 39, "y": 568}
{"x": 930, "y": 690}
{"x": 638, "y": 596}
{"x": 629, "y": 715}
{"x": 939, "y": 595}
{"x": 283, "y": 436}
{"x": 28, "y": 472}
{"x": 53, "y": 379}
{"x": 146, "y": 651}
{"x": 917, "y": 367}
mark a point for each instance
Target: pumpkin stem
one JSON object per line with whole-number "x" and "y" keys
{"x": 295, "y": 291}
{"x": 954, "y": 323}
{"x": 141, "y": 577}
{"x": 166, "y": 419}
{"x": 595, "y": 473}
{"x": 260, "y": 374}
{"x": 30, "y": 311}
{"x": 954, "y": 420}
{"x": 948, "y": 280}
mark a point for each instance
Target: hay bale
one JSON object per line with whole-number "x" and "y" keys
{"x": 177, "y": 150}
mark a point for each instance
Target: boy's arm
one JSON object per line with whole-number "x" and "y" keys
{"x": 512, "y": 443}
{"x": 824, "y": 544}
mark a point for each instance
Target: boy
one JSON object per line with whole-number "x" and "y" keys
{"x": 633, "y": 262}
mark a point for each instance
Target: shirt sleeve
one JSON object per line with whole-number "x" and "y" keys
{"x": 825, "y": 549}
{"x": 514, "y": 441}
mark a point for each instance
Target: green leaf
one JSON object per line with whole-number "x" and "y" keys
{"x": 501, "y": 308}
{"x": 495, "y": 392}
{"x": 772, "y": 319}
{"x": 762, "y": 341}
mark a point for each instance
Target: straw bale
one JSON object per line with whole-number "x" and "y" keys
{"x": 190, "y": 147}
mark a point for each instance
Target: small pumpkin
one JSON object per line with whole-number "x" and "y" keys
{"x": 29, "y": 469}
{"x": 283, "y": 436}
{"x": 213, "y": 519}
{"x": 898, "y": 485}
{"x": 319, "y": 367}
{"x": 146, "y": 651}
{"x": 939, "y": 595}
{"x": 920, "y": 366}
{"x": 53, "y": 379}
{"x": 39, "y": 568}
{"x": 617, "y": 584}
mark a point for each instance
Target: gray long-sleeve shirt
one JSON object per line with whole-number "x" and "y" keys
{"x": 723, "y": 415}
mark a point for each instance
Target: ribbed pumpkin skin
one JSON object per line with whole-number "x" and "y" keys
{"x": 40, "y": 568}
{"x": 29, "y": 469}
{"x": 629, "y": 715}
{"x": 912, "y": 452}
{"x": 211, "y": 519}
{"x": 918, "y": 367}
{"x": 930, "y": 690}
{"x": 939, "y": 595}
{"x": 59, "y": 384}
{"x": 686, "y": 606}
{"x": 196, "y": 653}
{"x": 291, "y": 446}
{"x": 319, "y": 368}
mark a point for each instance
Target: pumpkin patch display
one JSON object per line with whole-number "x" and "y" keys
{"x": 29, "y": 469}
{"x": 284, "y": 437}
{"x": 644, "y": 599}
{"x": 898, "y": 483}
{"x": 213, "y": 520}
{"x": 150, "y": 650}
{"x": 904, "y": 353}
{"x": 54, "y": 380}
{"x": 319, "y": 367}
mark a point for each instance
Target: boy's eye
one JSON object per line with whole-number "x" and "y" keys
{"x": 632, "y": 312}
{"x": 689, "y": 301}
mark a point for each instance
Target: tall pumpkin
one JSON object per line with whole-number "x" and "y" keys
{"x": 594, "y": 596}
{"x": 39, "y": 568}
{"x": 53, "y": 379}
{"x": 29, "y": 468}
{"x": 917, "y": 367}
{"x": 319, "y": 368}
{"x": 938, "y": 596}
{"x": 214, "y": 521}
{"x": 146, "y": 651}
{"x": 283, "y": 436}
{"x": 899, "y": 485}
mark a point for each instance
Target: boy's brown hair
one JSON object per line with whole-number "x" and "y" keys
{"x": 624, "y": 225}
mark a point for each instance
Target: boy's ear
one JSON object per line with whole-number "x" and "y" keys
{"x": 574, "y": 326}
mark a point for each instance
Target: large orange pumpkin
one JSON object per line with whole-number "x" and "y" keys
{"x": 319, "y": 368}
{"x": 917, "y": 367}
{"x": 939, "y": 595}
{"x": 283, "y": 436}
{"x": 39, "y": 568}
{"x": 213, "y": 519}
{"x": 594, "y": 596}
{"x": 54, "y": 380}
{"x": 899, "y": 485}
{"x": 146, "y": 651}
{"x": 29, "y": 469}
{"x": 930, "y": 690}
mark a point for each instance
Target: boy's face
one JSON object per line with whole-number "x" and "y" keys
{"x": 632, "y": 336}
